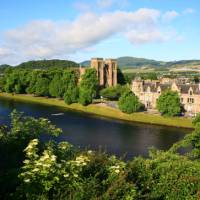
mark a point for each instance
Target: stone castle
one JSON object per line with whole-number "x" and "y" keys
{"x": 106, "y": 71}
{"x": 149, "y": 91}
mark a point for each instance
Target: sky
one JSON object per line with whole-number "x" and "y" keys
{"x": 78, "y": 30}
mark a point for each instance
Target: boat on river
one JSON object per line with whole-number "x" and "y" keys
{"x": 57, "y": 114}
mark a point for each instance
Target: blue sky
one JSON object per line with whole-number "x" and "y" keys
{"x": 78, "y": 30}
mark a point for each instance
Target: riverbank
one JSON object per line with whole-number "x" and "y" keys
{"x": 106, "y": 111}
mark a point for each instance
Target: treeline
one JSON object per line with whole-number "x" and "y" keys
{"x": 52, "y": 83}
{"x": 31, "y": 168}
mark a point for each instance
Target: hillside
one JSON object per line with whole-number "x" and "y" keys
{"x": 43, "y": 64}
{"x": 133, "y": 62}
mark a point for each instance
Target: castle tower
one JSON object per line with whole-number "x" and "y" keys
{"x": 111, "y": 72}
{"x": 98, "y": 64}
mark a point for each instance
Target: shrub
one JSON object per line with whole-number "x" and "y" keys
{"x": 169, "y": 103}
{"x": 129, "y": 103}
{"x": 114, "y": 92}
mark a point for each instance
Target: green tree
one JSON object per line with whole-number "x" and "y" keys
{"x": 111, "y": 93}
{"x": 169, "y": 103}
{"x": 114, "y": 92}
{"x": 71, "y": 95}
{"x": 129, "y": 103}
{"x": 88, "y": 87}
{"x": 56, "y": 86}
{"x": 42, "y": 87}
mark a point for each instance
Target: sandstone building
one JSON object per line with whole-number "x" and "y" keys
{"x": 106, "y": 71}
{"x": 149, "y": 91}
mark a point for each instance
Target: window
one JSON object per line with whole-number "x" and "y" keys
{"x": 190, "y": 100}
{"x": 181, "y": 100}
{"x": 191, "y": 92}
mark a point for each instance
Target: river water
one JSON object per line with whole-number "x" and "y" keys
{"x": 87, "y": 131}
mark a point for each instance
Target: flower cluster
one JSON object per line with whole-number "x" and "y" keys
{"x": 117, "y": 166}
{"x": 116, "y": 169}
{"x": 80, "y": 161}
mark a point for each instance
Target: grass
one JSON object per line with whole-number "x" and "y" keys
{"x": 106, "y": 111}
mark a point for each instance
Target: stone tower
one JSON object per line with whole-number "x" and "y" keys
{"x": 98, "y": 64}
{"x": 106, "y": 71}
{"x": 111, "y": 72}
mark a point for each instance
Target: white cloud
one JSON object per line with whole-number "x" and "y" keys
{"x": 188, "y": 11}
{"x": 50, "y": 39}
{"x": 170, "y": 15}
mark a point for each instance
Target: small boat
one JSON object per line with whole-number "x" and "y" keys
{"x": 57, "y": 114}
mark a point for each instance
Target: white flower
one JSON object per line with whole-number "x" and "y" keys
{"x": 66, "y": 175}
{"x": 26, "y": 180}
{"x": 35, "y": 170}
{"x": 90, "y": 152}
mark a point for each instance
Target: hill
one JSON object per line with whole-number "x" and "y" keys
{"x": 128, "y": 62}
{"x": 43, "y": 64}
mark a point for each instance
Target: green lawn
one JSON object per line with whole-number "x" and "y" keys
{"x": 106, "y": 111}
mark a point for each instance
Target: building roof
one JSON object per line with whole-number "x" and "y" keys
{"x": 183, "y": 88}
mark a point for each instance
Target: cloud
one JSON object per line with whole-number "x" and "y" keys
{"x": 49, "y": 39}
{"x": 188, "y": 11}
{"x": 170, "y": 15}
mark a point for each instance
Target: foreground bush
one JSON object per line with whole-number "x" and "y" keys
{"x": 32, "y": 169}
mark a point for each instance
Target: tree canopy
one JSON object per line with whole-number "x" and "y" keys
{"x": 129, "y": 102}
{"x": 114, "y": 92}
{"x": 88, "y": 87}
{"x": 169, "y": 103}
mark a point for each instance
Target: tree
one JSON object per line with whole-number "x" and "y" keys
{"x": 111, "y": 93}
{"x": 169, "y": 103}
{"x": 71, "y": 95}
{"x": 129, "y": 103}
{"x": 16, "y": 81}
{"x": 56, "y": 86}
{"x": 114, "y": 92}
{"x": 42, "y": 87}
{"x": 88, "y": 87}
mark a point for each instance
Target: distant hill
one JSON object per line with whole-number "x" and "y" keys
{"x": 45, "y": 64}
{"x": 129, "y": 62}
{"x": 133, "y": 62}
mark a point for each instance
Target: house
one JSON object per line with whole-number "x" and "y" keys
{"x": 149, "y": 91}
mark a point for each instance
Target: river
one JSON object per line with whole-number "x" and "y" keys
{"x": 87, "y": 131}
